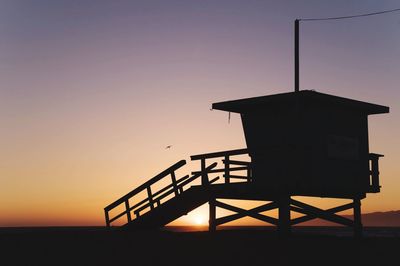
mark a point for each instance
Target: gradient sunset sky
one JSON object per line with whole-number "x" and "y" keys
{"x": 91, "y": 92}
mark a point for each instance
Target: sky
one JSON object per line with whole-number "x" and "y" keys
{"x": 91, "y": 92}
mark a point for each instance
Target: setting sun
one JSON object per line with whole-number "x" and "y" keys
{"x": 199, "y": 220}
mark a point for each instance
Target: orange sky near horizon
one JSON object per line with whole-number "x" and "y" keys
{"x": 92, "y": 93}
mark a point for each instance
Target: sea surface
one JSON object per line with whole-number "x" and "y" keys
{"x": 338, "y": 231}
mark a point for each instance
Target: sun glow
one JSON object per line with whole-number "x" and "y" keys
{"x": 199, "y": 220}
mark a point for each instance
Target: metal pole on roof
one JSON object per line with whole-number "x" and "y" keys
{"x": 296, "y": 56}
{"x": 296, "y": 38}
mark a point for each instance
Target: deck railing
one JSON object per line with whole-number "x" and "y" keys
{"x": 374, "y": 186}
{"x": 233, "y": 168}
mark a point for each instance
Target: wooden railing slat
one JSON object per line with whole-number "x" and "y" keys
{"x": 239, "y": 177}
{"x": 223, "y": 170}
{"x": 226, "y": 169}
{"x": 235, "y": 162}
{"x": 128, "y": 213}
{"x": 117, "y": 216}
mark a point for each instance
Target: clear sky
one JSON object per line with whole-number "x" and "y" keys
{"x": 91, "y": 92}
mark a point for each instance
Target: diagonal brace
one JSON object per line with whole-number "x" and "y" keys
{"x": 254, "y": 213}
{"x": 312, "y": 212}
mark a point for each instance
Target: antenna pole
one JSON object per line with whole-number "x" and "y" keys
{"x": 296, "y": 56}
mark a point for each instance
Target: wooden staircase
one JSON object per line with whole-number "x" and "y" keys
{"x": 176, "y": 207}
{"x": 181, "y": 195}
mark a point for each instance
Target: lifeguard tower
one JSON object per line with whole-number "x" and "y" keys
{"x": 302, "y": 143}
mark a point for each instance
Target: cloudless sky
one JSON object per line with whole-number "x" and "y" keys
{"x": 91, "y": 92}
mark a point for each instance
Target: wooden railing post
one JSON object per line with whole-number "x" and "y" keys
{"x": 128, "y": 211}
{"x": 226, "y": 173}
{"x": 174, "y": 185}
{"x": 107, "y": 218}
{"x": 150, "y": 197}
{"x": 204, "y": 174}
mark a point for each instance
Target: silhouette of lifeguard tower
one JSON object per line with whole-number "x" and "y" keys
{"x": 302, "y": 143}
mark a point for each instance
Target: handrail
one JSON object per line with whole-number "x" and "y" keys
{"x": 146, "y": 184}
{"x": 218, "y": 154}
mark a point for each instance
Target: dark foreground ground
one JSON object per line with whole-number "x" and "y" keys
{"x": 242, "y": 246}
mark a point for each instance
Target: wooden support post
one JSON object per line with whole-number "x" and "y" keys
{"x": 284, "y": 216}
{"x": 128, "y": 211}
{"x": 226, "y": 172}
{"x": 212, "y": 226}
{"x": 358, "y": 228}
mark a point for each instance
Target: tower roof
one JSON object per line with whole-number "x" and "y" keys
{"x": 306, "y": 97}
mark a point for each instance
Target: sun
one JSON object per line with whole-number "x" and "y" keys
{"x": 199, "y": 220}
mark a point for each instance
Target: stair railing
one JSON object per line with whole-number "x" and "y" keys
{"x": 232, "y": 166}
{"x": 175, "y": 186}
{"x": 153, "y": 199}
